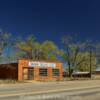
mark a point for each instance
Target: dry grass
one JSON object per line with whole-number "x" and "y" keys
{"x": 9, "y": 81}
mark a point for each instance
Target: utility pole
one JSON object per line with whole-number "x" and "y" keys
{"x": 90, "y": 62}
{"x": 69, "y": 70}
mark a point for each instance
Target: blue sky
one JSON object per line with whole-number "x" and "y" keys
{"x": 51, "y": 19}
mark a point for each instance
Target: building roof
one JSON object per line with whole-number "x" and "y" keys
{"x": 98, "y": 69}
{"x": 80, "y": 73}
{"x": 9, "y": 65}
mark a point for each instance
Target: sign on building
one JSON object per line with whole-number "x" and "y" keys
{"x": 41, "y": 64}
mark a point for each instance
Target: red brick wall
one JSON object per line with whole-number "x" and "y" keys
{"x": 24, "y": 63}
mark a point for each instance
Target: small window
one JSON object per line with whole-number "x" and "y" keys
{"x": 55, "y": 72}
{"x": 43, "y": 72}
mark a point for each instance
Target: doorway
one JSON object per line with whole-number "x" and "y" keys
{"x": 31, "y": 73}
{"x": 28, "y": 73}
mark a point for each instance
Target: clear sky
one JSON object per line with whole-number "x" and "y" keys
{"x": 50, "y": 19}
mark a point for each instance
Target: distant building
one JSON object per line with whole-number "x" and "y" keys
{"x": 97, "y": 71}
{"x": 81, "y": 74}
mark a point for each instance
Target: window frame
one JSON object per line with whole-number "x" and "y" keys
{"x": 43, "y": 72}
{"x": 55, "y": 72}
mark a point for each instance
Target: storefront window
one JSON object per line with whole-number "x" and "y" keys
{"x": 55, "y": 72}
{"x": 43, "y": 72}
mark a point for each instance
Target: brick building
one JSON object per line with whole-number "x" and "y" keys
{"x": 31, "y": 70}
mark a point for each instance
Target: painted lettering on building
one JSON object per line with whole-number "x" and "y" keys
{"x": 41, "y": 64}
